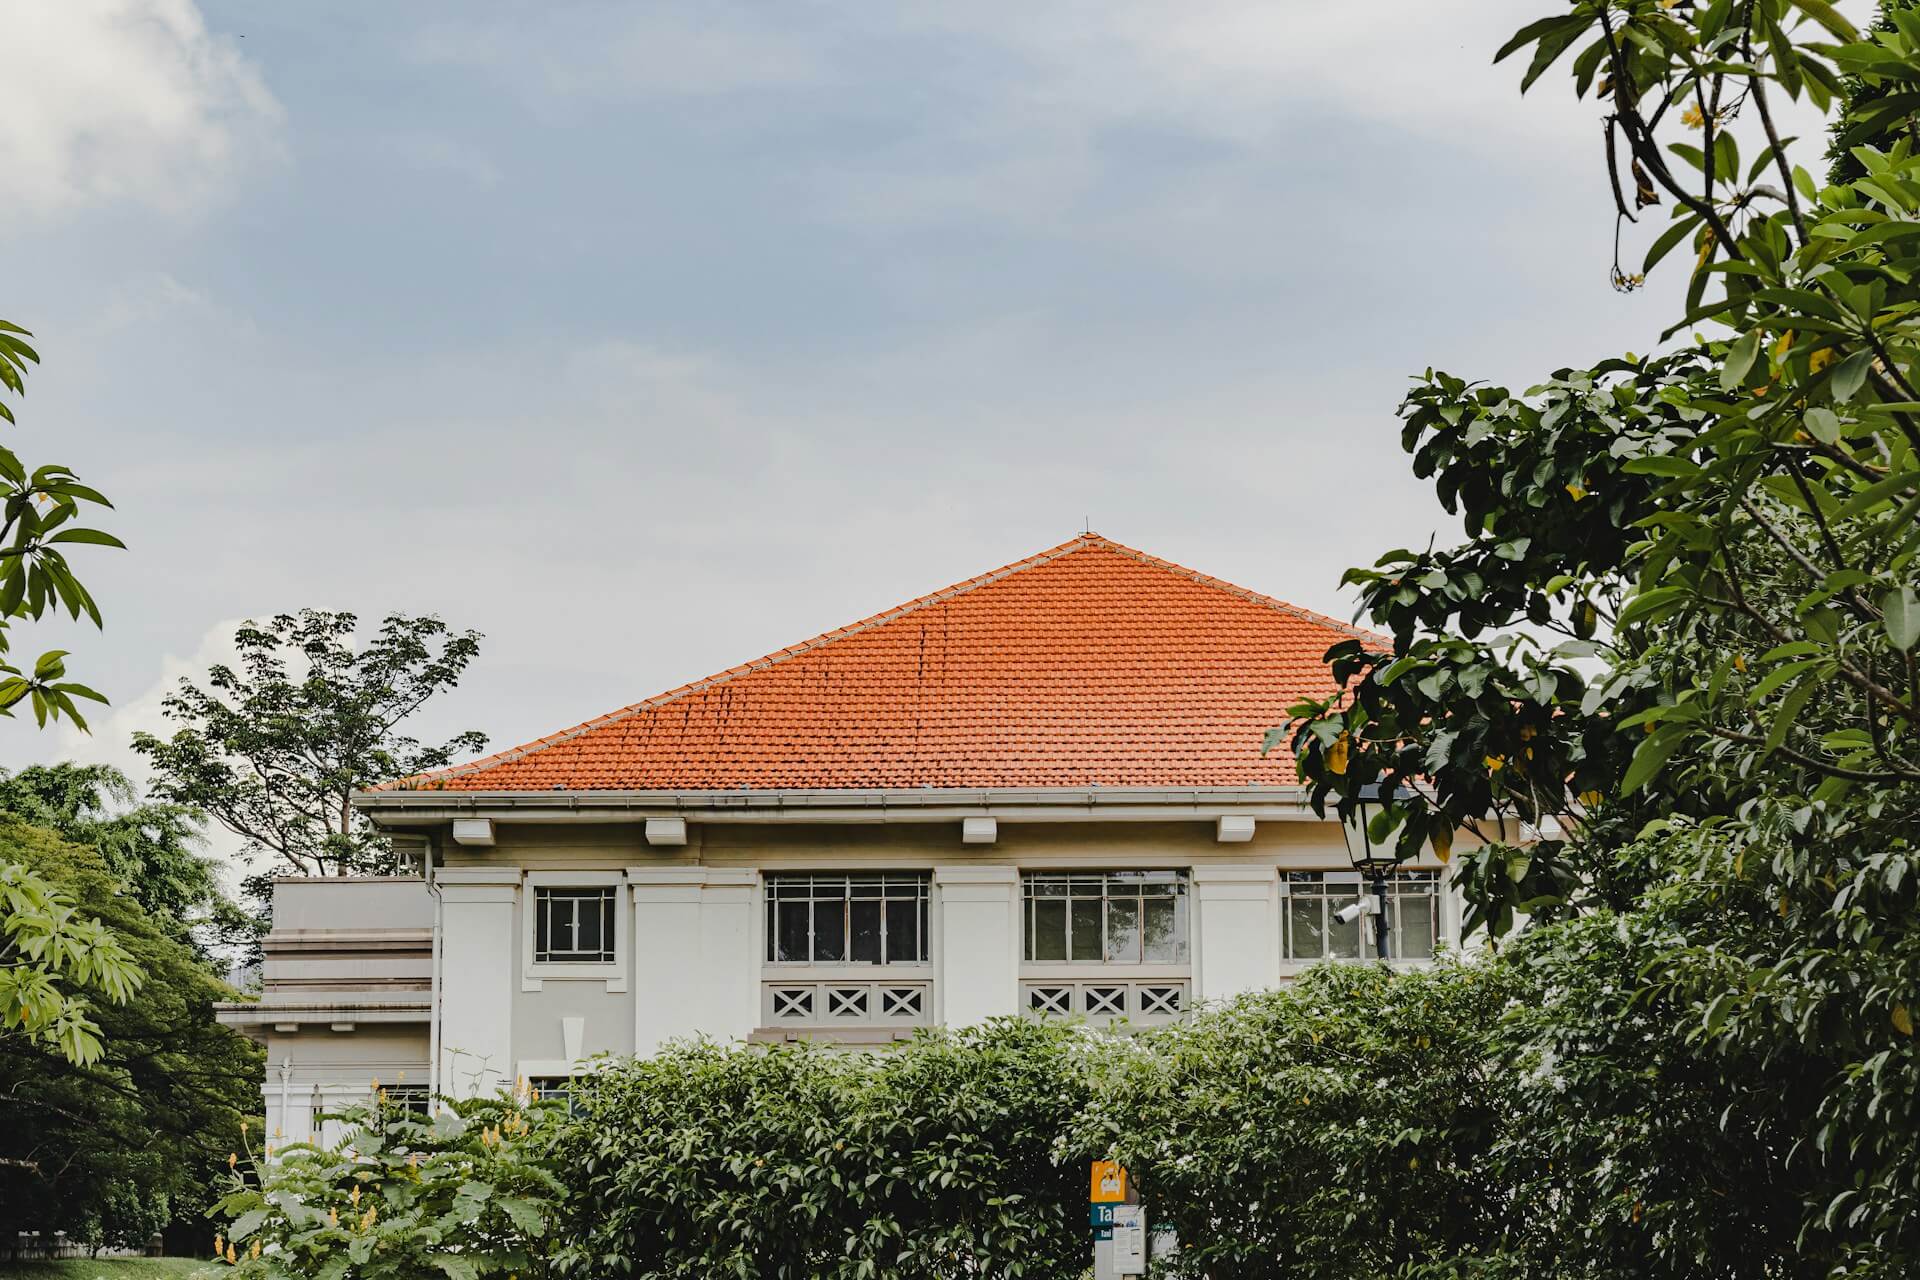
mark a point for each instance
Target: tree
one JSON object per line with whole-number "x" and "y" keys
{"x": 118, "y": 1145}
{"x": 50, "y": 955}
{"x": 1670, "y": 678}
{"x": 274, "y": 751}
{"x": 36, "y": 513}
{"x": 152, "y": 846}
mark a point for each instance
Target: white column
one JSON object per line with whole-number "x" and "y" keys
{"x": 696, "y": 969}
{"x": 477, "y": 978}
{"x": 979, "y": 943}
{"x": 1236, "y": 930}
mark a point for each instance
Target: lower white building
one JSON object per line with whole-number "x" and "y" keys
{"x": 1039, "y": 793}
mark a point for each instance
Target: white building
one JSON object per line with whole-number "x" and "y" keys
{"x": 1038, "y": 792}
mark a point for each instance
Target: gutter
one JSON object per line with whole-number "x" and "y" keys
{"x": 875, "y": 805}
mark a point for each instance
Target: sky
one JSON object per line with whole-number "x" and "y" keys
{"x": 647, "y": 338}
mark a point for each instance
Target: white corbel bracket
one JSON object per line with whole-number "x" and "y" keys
{"x": 1234, "y": 829}
{"x": 473, "y": 831}
{"x": 666, "y": 831}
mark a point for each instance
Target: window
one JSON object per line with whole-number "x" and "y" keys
{"x": 1112, "y": 917}
{"x": 1315, "y": 897}
{"x": 556, "y": 1089}
{"x": 407, "y": 1097}
{"x": 847, "y": 919}
{"x": 573, "y": 926}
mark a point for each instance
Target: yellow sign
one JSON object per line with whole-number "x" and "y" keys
{"x": 1109, "y": 1182}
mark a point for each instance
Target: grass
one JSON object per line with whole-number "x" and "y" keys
{"x": 103, "y": 1269}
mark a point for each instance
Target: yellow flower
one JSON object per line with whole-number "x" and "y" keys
{"x": 255, "y": 1251}
{"x": 1495, "y": 763}
{"x": 371, "y": 1216}
{"x": 219, "y": 1245}
{"x": 1575, "y": 492}
{"x": 353, "y": 1197}
{"x": 1692, "y": 116}
{"x": 1739, "y": 662}
{"x": 333, "y": 1217}
{"x": 233, "y": 1255}
{"x": 233, "y": 1158}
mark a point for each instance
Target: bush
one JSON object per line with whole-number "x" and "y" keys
{"x": 942, "y": 1157}
{"x": 1331, "y": 1129}
{"x": 467, "y": 1194}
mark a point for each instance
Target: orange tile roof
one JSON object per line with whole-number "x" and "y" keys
{"x": 1091, "y": 664}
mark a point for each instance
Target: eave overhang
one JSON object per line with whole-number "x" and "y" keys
{"x": 425, "y": 808}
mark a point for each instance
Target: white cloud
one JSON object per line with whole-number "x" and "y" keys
{"x": 112, "y": 728}
{"x": 124, "y": 100}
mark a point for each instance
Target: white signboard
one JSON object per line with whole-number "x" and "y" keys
{"x": 1129, "y": 1239}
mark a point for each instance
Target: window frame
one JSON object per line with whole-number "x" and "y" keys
{"x": 602, "y": 900}
{"x": 1328, "y": 878}
{"x": 772, "y": 898}
{"x": 534, "y": 971}
{"x": 1180, "y": 877}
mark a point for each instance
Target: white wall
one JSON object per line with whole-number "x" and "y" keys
{"x": 1236, "y": 930}
{"x": 978, "y": 939}
{"x": 696, "y": 958}
{"x": 478, "y": 979}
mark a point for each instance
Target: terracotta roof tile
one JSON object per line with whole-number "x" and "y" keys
{"x": 1091, "y": 664}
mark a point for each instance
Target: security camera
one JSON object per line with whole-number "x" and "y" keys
{"x": 1364, "y": 907}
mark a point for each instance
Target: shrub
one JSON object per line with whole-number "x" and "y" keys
{"x": 466, "y": 1194}
{"x": 941, "y": 1157}
{"x": 1331, "y": 1129}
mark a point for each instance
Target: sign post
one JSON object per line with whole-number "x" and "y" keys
{"x": 1119, "y": 1223}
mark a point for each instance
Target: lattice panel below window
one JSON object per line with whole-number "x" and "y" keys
{"x": 1138, "y": 1002}
{"x": 846, "y": 1004}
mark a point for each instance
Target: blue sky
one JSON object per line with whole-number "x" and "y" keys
{"x": 647, "y": 338}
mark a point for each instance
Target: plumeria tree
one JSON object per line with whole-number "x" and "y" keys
{"x": 1670, "y": 675}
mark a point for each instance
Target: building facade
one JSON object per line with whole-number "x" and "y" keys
{"x": 1038, "y": 793}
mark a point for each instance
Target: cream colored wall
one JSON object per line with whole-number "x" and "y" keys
{"x": 1295, "y": 845}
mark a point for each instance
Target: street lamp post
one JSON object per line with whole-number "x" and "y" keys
{"x": 1371, "y": 859}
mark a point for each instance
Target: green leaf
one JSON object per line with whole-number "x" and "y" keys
{"x": 1740, "y": 356}
{"x": 1827, "y": 16}
{"x": 246, "y": 1224}
{"x": 1900, "y": 615}
{"x": 93, "y": 536}
{"x": 1653, "y": 752}
{"x": 1849, "y": 375}
{"x": 455, "y": 1266}
{"x": 1822, "y": 424}
{"x": 1788, "y": 714}
{"x": 1649, "y": 602}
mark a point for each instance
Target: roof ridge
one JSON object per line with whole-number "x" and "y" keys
{"x": 757, "y": 664}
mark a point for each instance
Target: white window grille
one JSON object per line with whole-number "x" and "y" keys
{"x": 1314, "y": 899}
{"x": 847, "y": 919}
{"x": 573, "y": 925}
{"x": 1111, "y": 917}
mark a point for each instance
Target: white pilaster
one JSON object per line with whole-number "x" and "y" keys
{"x": 1236, "y": 930}
{"x": 978, "y": 936}
{"x": 696, "y": 968}
{"x": 477, "y": 978}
